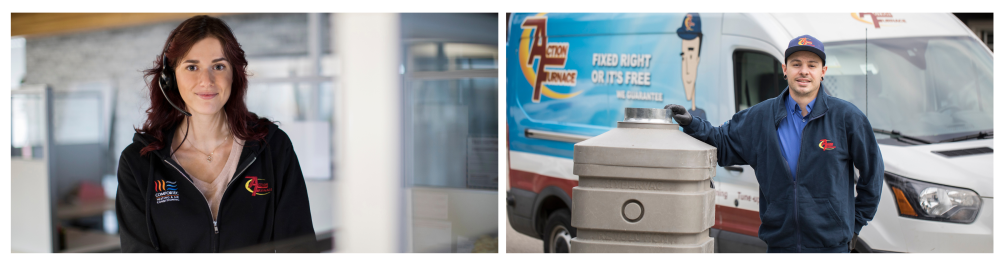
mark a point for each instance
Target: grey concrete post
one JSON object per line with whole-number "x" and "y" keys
{"x": 644, "y": 187}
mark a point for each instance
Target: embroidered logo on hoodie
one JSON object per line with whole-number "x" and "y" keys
{"x": 166, "y": 191}
{"x": 257, "y": 186}
{"x": 826, "y": 145}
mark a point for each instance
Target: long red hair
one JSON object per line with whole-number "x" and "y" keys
{"x": 162, "y": 116}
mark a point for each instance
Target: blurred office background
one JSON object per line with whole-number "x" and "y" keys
{"x": 392, "y": 116}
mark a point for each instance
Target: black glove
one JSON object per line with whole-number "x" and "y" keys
{"x": 854, "y": 242}
{"x": 680, "y": 113}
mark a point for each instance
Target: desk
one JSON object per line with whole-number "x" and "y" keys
{"x": 82, "y": 241}
{"x": 69, "y": 211}
{"x": 89, "y": 241}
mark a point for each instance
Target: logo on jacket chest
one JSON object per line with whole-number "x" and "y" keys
{"x": 166, "y": 191}
{"x": 826, "y": 145}
{"x": 257, "y": 186}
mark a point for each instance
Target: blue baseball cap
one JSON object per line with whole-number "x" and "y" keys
{"x": 690, "y": 27}
{"x": 806, "y": 43}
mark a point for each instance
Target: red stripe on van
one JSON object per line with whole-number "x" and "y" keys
{"x": 736, "y": 220}
{"x": 536, "y": 182}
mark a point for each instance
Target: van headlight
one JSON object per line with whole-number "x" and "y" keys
{"x": 929, "y": 201}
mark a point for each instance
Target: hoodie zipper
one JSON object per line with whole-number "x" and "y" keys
{"x": 215, "y": 226}
{"x": 224, "y": 196}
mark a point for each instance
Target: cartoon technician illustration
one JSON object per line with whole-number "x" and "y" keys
{"x": 690, "y": 34}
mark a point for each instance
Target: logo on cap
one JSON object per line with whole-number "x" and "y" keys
{"x": 805, "y": 41}
{"x": 688, "y": 23}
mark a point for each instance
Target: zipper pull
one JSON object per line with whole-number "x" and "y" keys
{"x": 216, "y": 226}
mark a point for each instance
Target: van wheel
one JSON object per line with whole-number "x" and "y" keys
{"x": 558, "y": 232}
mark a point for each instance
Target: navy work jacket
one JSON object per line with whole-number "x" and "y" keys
{"x": 818, "y": 211}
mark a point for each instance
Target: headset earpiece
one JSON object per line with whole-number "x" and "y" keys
{"x": 167, "y": 79}
{"x": 165, "y": 76}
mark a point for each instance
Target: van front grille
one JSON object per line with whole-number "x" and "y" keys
{"x": 965, "y": 152}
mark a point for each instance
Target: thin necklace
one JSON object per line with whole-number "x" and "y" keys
{"x": 213, "y": 149}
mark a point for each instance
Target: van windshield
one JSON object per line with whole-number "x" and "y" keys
{"x": 927, "y": 86}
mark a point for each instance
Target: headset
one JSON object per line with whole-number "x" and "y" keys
{"x": 167, "y": 79}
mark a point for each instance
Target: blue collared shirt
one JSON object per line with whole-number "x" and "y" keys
{"x": 790, "y": 131}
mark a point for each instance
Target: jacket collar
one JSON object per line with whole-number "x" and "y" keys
{"x": 819, "y": 107}
{"x": 250, "y": 148}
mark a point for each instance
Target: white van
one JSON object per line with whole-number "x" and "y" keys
{"x": 924, "y": 81}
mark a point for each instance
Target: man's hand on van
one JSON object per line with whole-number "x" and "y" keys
{"x": 680, "y": 114}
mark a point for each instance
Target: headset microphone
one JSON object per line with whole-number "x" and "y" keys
{"x": 167, "y": 80}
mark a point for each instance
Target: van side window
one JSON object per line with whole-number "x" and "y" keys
{"x": 757, "y": 77}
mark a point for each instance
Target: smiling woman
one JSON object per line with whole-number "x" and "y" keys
{"x": 192, "y": 149}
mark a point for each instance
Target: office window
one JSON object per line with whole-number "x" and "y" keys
{"x": 451, "y": 115}
{"x": 442, "y": 56}
{"x": 454, "y": 125}
{"x": 27, "y": 130}
{"x": 18, "y": 63}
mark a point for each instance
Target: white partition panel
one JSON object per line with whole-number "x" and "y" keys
{"x": 30, "y": 215}
{"x": 367, "y": 133}
{"x": 31, "y": 193}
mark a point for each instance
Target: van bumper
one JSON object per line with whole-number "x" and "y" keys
{"x": 519, "y": 211}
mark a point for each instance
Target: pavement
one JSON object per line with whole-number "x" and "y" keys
{"x": 520, "y": 243}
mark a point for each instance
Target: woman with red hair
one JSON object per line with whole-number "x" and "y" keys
{"x": 204, "y": 174}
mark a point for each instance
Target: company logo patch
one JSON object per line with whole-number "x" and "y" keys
{"x": 256, "y": 186}
{"x": 826, "y": 145}
{"x": 549, "y": 55}
{"x": 166, "y": 191}
{"x": 805, "y": 41}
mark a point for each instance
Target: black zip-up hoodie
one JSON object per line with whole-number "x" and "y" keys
{"x": 160, "y": 210}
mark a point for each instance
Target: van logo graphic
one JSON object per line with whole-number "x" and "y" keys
{"x": 166, "y": 191}
{"x": 549, "y": 55}
{"x": 805, "y": 41}
{"x": 826, "y": 145}
{"x": 877, "y": 19}
{"x": 256, "y": 186}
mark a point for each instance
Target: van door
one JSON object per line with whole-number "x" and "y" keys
{"x": 756, "y": 76}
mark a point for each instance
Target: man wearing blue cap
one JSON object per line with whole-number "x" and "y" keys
{"x": 803, "y": 146}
